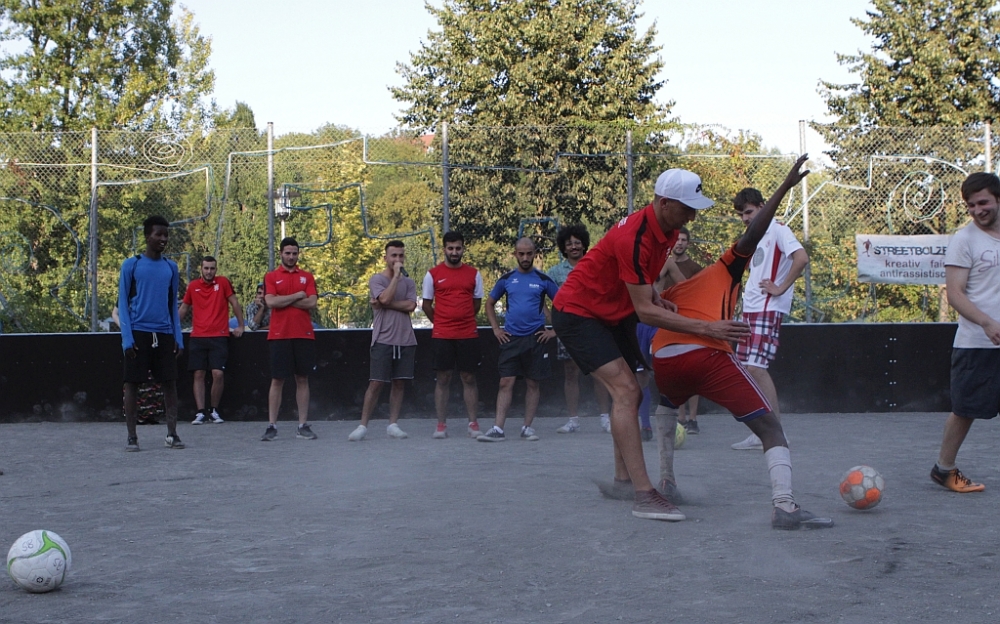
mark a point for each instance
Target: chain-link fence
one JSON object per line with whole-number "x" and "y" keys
{"x": 72, "y": 204}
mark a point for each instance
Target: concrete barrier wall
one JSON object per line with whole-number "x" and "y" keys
{"x": 820, "y": 368}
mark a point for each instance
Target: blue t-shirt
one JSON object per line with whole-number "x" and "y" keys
{"x": 525, "y": 300}
{"x": 151, "y": 308}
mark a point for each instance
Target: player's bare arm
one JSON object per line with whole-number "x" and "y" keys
{"x": 238, "y": 313}
{"x": 671, "y": 270}
{"x": 800, "y": 259}
{"x": 428, "y": 307}
{"x": 747, "y": 243}
{"x": 283, "y": 301}
{"x": 308, "y": 303}
{"x": 502, "y": 336}
{"x": 957, "y": 279}
{"x": 476, "y": 305}
{"x": 652, "y": 314}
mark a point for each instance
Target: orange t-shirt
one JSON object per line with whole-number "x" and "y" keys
{"x": 710, "y": 295}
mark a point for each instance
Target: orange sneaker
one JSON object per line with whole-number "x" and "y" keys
{"x": 954, "y": 480}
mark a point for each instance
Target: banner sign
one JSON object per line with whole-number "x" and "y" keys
{"x": 901, "y": 259}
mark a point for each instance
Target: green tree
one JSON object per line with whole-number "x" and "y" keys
{"x": 102, "y": 63}
{"x": 544, "y": 91}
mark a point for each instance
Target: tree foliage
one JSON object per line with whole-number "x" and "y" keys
{"x": 101, "y": 63}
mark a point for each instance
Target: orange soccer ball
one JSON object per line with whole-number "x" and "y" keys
{"x": 862, "y": 487}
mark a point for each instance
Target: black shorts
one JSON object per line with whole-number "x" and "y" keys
{"x": 592, "y": 344}
{"x": 160, "y": 361}
{"x": 464, "y": 354}
{"x": 209, "y": 353}
{"x": 524, "y": 356}
{"x": 294, "y": 356}
{"x": 975, "y": 382}
{"x": 389, "y": 362}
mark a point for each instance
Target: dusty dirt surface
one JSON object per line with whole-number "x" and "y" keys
{"x": 232, "y": 529}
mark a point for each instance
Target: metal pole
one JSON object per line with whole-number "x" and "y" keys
{"x": 629, "y": 164}
{"x": 805, "y": 224}
{"x": 445, "y": 175}
{"x": 270, "y": 196}
{"x": 989, "y": 147}
{"x": 93, "y": 230}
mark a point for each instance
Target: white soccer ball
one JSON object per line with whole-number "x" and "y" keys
{"x": 38, "y": 561}
{"x": 862, "y": 487}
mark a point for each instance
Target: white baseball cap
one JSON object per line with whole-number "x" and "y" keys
{"x": 684, "y": 186}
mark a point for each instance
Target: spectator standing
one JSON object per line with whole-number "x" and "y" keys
{"x": 209, "y": 299}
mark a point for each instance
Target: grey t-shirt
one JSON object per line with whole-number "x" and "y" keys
{"x": 973, "y": 249}
{"x": 392, "y": 327}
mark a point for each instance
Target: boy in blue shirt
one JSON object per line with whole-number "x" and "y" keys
{"x": 523, "y": 348}
{"x": 151, "y": 327}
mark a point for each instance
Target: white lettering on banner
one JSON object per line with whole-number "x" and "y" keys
{"x": 901, "y": 259}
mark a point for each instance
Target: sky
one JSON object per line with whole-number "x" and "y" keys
{"x": 744, "y": 65}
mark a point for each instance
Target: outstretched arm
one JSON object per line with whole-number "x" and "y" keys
{"x": 758, "y": 227}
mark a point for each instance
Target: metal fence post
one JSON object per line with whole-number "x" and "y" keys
{"x": 988, "y": 139}
{"x": 93, "y": 231}
{"x": 629, "y": 164}
{"x": 445, "y": 175}
{"x": 805, "y": 224}
{"x": 270, "y": 196}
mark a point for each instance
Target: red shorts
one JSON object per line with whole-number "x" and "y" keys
{"x": 716, "y": 375}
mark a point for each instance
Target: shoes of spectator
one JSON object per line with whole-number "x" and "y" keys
{"x": 441, "y": 432}
{"x": 358, "y": 434}
{"x": 571, "y": 426}
{"x": 132, "y": 445}
{"x": 305, "y": 432}
{"x": 954, "y": 480}
{"x": 606, "y": 423}
{"x": 800, "y": 518}
{"x": 493, "y": 435}
{"x": 751, "y": 443}
{"x": 199, "y": 419}
{"x": 692, "y": 427}
{"x": 652, "y": 505}
{"x": 616, "y": 490}
{"x": 528, "y": 434}
{"x": 393, "y": 431}
{"x": 670, "y": 492}
{"x": 173, "y": 442}
{"x": 647, "y": 434}
{"x": 216, "y": 419}
{"x": 474, "y": 431}
{"x": 269, "y": 434}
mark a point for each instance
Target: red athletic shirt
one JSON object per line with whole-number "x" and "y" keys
{"x": 209, "y": 307}
{"x": 453, "y": 294}
{"x": 632, "y": 252}
{"x": 289, "y": 322}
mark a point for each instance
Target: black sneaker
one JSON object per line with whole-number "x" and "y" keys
{"x": 173, "y": 442}
{"x": 133, "y": 444}
{"x": 798, "y": 519}
{"x": 493, "y": 435}
{"x": 269, "y": 434}
{"x": 199, "y": 419}
{"x": 692, "y": 427}
{"x": 305, "y": 433}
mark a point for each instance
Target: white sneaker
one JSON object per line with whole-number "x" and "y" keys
{"x": 570, "y": 427}
{"x": 528, "y": 434}
{"x": 606, "y": 423}
{"x": 216, "y": 419}
{"x": 752, "y": 443}
{"x": 395, "y": 432}
{"x": 358, "y": 434}
{"x": 199, "y": 419}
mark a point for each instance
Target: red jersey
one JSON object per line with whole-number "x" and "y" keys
{"x": 632, "y": 252}
{"x": 209, "y": 307}
{"x": 710, "y": 295}
{"x": 289, "y": 322}
{"x": 453, "y": 292}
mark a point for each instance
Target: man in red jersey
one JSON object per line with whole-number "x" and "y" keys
{"x": 209, "y": 299}
{"x": 595, "y": 314}
{"x": 290, "y": 292}
{"x": 452, "y": 294}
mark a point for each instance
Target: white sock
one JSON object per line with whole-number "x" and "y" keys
{"x": 779, "y": 467}
{"x": 575, "y": 420}
{"x": 497, "y": 429}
